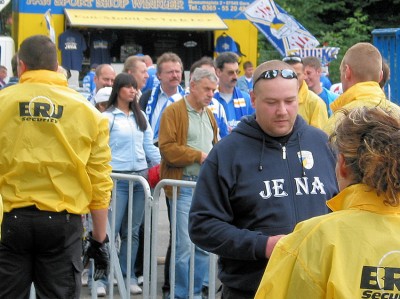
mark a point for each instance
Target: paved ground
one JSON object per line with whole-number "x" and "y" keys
{"x": 160, "y": 270}
{"x": 163, "y": 236}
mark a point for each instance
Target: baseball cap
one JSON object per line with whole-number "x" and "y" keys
{"x": 102, "y": 95}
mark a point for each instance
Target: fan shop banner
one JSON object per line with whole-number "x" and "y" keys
{"x": 282, "y": 30}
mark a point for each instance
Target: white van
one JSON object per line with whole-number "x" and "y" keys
{"x": 7, "y": 51}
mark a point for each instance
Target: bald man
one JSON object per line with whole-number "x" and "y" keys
{"x": 271, "y": 172}
{"x": 360, "y": 73}
{"x": 104, "y": 77}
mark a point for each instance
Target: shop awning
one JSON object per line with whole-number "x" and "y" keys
{"x": 143, "y": 20}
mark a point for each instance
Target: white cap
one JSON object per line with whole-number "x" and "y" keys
{"x": 102, "y": 95}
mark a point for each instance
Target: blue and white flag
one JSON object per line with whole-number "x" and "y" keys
{"x": 50, "y": 25}
{"x": 325, "y": 54}
{"x": 281, "y": 29}
{"x": 3, "y": 4}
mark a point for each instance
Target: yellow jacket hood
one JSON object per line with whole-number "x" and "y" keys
{"x": 367, "y": 94}
{"x": 44, "y": 76}
{"x": 311, "y": 107}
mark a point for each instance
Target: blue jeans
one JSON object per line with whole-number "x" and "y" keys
{"x": 121, "y": 226}
{"x": 121, "y": 223}
{"x": 182, "y": 255}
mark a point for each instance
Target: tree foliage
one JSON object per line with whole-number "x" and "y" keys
{"x": 339, "y": 23}
{"x": 5, "y": 24}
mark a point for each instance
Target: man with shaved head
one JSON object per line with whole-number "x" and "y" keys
{"x": 273, "y": 171}
{"x": 104, "y": 77}
{"x": 360, "y": 73}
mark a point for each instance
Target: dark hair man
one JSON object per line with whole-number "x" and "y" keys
{"x": 54, "y": 167}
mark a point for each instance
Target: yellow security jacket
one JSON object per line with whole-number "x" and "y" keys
{"x": 367, "y": 94}
{"x": 351, "y": 253}
{"x": 312, "y": 108}
{"x": 54, "y": 149}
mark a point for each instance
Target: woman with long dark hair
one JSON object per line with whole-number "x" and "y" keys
{"x": 131, "y": 142}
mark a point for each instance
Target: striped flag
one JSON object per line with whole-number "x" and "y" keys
{"x": 280, "y": 28}
{"x": 50, "y": 25}
{"x": 3, "y": 4}
{"x": 325, "y": 54}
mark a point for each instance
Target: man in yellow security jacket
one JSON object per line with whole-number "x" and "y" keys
{"x": 311, "y": 107}
{"x": 54, "y": 166}
{"x": 360, "y": 74}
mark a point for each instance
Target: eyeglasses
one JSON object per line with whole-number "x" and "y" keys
{"x": 272, "y": 74}
{"x": 231, "y": 73}
{"x": 292, "y": 59}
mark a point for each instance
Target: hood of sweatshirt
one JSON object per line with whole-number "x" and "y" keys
{"x": 248, "y": 126}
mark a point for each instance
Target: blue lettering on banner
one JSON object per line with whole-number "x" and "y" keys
{"x": 224, "y": 8}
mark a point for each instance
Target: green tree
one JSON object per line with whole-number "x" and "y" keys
{"x": 5, "y": 15}
{"x": 355, "y": 29}
{"x": 338, "y": 23}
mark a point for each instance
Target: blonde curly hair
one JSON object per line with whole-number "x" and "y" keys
{"x": 369, "y": 140}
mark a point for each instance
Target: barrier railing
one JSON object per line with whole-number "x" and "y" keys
{"x": 124, "y": 287}
{"x": 175, "y": 184}
{"x": 115, "y": 269}
{"x": 151, "y": 221}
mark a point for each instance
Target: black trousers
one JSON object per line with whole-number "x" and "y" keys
{"x": 230, "y": 293}
{"x": 40, "y": 247}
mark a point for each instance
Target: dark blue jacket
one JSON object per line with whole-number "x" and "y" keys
{"x": 251, "y": 187}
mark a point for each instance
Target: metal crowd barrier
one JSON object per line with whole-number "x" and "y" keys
{"x": 175, "y": 184}
{"x": 151, "y": 219}
{"x": 123, "y": 287}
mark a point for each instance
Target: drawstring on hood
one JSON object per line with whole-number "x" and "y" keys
{"x": 301, "y": 155}
{"x": 260, "y": 167}
{"x": 249, "y": 127}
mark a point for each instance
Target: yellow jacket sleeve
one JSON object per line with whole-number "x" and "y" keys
{"x": 99, "y": 169}
{"x": 293, "y": 282}
{"x": 312, "y": 108}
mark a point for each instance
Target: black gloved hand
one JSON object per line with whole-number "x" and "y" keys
{"x": 100, "y": 253}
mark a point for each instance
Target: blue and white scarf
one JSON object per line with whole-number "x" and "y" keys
{"x": 152, "y": 103}
{"x": 239, "y": 103}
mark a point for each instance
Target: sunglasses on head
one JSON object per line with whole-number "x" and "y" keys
{"x": 292, "y": 59}
{"x": 271, "y": 74}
